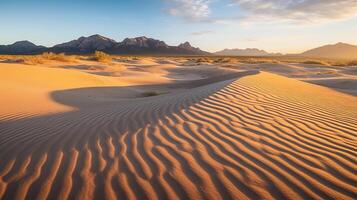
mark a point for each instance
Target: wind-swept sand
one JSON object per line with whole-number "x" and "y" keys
{"x": 209, "y": 134}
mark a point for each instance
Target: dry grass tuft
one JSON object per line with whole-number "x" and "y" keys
{"x": 58, "y": 57}
{"x": 38, "y": 59}
{"x": 316, "y": 62}
{"x": 31, "y": 60}
{"x": 102, "y": 57}
{"x": 346, "y": 63}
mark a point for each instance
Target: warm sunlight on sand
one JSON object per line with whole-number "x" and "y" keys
{"x": 169, "y": 128}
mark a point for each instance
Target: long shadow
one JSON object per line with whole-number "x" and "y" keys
{"x": 91, "y": 105}
{"x": 99, "y": 114}
{"x": 94, "y": 104}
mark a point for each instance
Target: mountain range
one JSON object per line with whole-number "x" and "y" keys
{"x": 246, "y": 52}
{"x": 338, "y": 50}
{"x": 22, "y": 47}
{"x": 87, "y": 45}
{"x": 149, "y": 46}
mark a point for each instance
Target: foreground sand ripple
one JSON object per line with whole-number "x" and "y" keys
{"x": 237, "y": 139}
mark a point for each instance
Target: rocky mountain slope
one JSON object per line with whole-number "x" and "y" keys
{"x": 21, "y": 47}
{"x": 86, "y": 45}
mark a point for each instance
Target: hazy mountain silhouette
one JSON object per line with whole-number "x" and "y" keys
{"x": 339, "y": 50}
{"x": 245, "y": 52}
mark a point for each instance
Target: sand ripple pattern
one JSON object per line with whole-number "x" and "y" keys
{"x": 234, "y": 139}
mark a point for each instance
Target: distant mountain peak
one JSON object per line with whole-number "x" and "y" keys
{"x": 188, "y": 46}
{"x": 99, "y": 37}
{"x": 185, "y": 45}
{"x": 90, "y": 44}
{"x": 21, "y": 47}
{"x": 143, "y": 42}
{"x": 142, "y": 38}
{"x": 338, "y": 50}
{"x": 24, "y": 43}
{"x": 246, "y": 52}
{"x": 85, "y": 44}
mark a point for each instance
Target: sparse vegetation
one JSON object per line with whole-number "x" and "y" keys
{"x": 38, "y": 59}
{"x": 31, "y": 60}
{"x": 346, "y": 63}
{"x": 185, "y": 60}
{"x": 58, "y": 57}
{"x": 102, "y": 57}
{"x": 315, "y": 62}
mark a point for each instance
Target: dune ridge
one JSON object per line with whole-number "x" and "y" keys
{"x": 258, "y": 136}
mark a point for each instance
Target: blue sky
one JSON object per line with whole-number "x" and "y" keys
{"x": 273, "y": 25}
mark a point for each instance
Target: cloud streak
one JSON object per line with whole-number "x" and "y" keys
{"x": 301, "y": 11}
{"x": 190, "y": 10}
{"x": 199, "y": 33}
{"x": 294, "y": 11}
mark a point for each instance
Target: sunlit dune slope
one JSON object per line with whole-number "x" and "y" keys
{"x": 257, "y": 136}
{"x": 25, "y": 89}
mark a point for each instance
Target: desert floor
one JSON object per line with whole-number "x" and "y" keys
{"x": 167, "y": 128}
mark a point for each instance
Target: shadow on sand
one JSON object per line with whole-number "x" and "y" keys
{"x": 100, "y": 115}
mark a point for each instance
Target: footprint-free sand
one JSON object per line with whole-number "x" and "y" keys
{"x": 159, "y": 130}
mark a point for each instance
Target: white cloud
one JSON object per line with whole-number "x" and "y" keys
{"x": 300, "y": 11}
{"x": 271, "y": 11}
{"x": 198, "y": 33}
{"x": 190, "y": 10}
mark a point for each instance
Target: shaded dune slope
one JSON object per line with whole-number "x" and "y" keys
{"x": 255, "y": 137}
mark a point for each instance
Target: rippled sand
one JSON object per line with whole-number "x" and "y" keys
{"x": 162, "y": 131}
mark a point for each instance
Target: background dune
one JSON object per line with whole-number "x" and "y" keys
{"x": 207, "y": 133}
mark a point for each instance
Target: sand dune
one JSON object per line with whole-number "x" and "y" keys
{"x": 340, "y": 78}
{"x": 69, "y": 134}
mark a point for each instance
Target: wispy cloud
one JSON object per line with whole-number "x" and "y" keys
{"x": 299, "y": 11}
{"x": 198, "y": 33}
{"x": 291, "y": 11}
{"x": 190, "y": 10}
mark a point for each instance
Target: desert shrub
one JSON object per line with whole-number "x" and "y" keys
{"x": 58, "y": 57}
{"x": 315, "y": 62}
{"x": 102, "y": 57}
{"x": 32, "y": 60}
{"x": 39, "y": 59}
{"x": 345, "y": 63}
{"x": 253, "y": 60}
{"x": 201, "y": 60}
{"x": 226, "y": 60}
